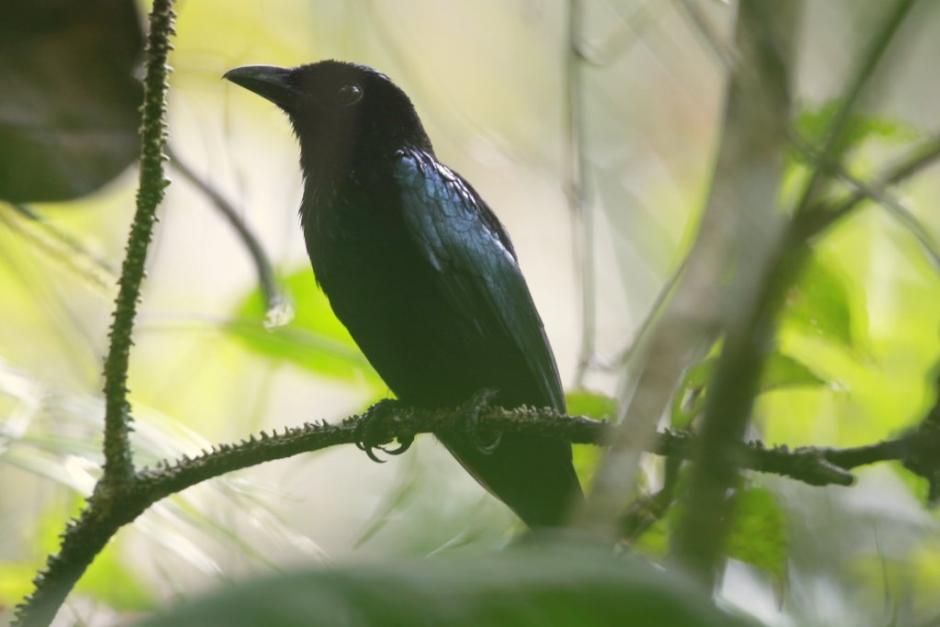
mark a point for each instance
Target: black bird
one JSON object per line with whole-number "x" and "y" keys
{"x": 421, "y": 271}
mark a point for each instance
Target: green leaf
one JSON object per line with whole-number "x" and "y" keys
{"x": 813, "y": 124}
{"x": 780, "y": 371}
{"x": 586, "y": 457}
{"x": 591, "y": 404}
{"x": 758, "y": 534}
{"x": 314, "y": 340}
{"x": 820, "y": 304}
{"x": 543, "y": 586}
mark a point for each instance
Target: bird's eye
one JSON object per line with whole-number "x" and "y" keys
{"x": 349, "y": 94}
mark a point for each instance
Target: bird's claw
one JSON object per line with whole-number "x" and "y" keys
{"x": 470, "y": 421}
{"x": 372, "y": 430}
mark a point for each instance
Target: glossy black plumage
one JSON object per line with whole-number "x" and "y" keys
{"x": 420, "y": 271}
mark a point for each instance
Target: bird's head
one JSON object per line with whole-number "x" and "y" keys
{"x": 341, "y": 112}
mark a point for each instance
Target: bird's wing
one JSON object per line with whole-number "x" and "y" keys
{"x": 475, "y": 263}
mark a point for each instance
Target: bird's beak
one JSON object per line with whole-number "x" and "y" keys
{"x": 267, "y": 81}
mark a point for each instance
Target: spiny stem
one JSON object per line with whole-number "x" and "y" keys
{"x": 119, "y": 463}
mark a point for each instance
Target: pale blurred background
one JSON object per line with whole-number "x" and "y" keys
{"x": 490, "y": 81}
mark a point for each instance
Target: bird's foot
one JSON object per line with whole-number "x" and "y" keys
{"x": 372, "y": 432}
{"x": 469, "y": 420}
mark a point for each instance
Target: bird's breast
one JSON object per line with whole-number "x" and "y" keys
{"x": 358, "y": 247}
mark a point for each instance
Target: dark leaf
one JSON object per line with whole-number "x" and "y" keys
{"x": 69, "y": 111}
{"x": 521, "y": 587}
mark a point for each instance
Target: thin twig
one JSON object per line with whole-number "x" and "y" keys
{"x": 274, "y": 298}
{"x": 652, "y": 314}
{"x": 59, "y": 245}
{"x": 582, "y": 213}
{"x": 631, "y": 27}
{"x": 830, "y": 212}
{"x": 725, "y": 55}
{"x": 831, "y": 148}
{"x": 878, "y": 194}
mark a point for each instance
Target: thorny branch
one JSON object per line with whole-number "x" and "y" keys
{"x": 119, "y": 465}
{"x": 90, "y": 532}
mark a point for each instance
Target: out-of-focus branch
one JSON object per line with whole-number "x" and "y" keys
{"x": 58, "y": 244}
{"x": 274, "y": 299}
{"x": 879, "y": 194}
{"x": 876, "y": 192}
{"x": 737, "y": 226}
{"x": 831, "y": 149}
{"x": 703, "y": 525}
{"x": 631, "y": 27}
{"x": 582, "y": 213}
{"x": 652, "y": 315}
{"x": 828, "y": 212}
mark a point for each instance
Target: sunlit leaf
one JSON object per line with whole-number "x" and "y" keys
{"x": 561, "y": 587}
{"x": 820, "y": 304}
{"x": 784, "y": 371}
{"x": 814, "y": 123}
{"x": 593, "y": 405}
{"x": 779, "y": 371}
{"x": 69, "y": 112}
{"x": 315, "y": 339}
{"x": 758, "y": 534}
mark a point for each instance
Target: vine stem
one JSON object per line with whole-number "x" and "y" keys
{"x": 119, "y": 463}
{"x": 115, "y": 501}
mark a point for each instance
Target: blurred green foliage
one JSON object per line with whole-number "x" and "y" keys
{"x": 859, "y": 333}
{"x": 562, "y": 587}
{"x": 780, "y": 371}
{"x": 314, "y": 339}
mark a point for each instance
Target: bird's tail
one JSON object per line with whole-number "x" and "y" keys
{"x": 533, "y": 476}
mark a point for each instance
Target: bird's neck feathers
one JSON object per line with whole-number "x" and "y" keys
{"x": 352, "y": 142}
{"x": 349, "y": 151}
